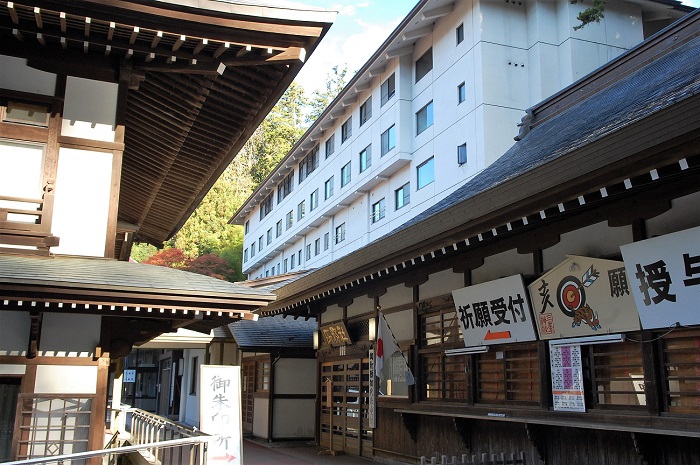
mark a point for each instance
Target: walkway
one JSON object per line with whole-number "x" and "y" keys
{"x": 255, "y": 453}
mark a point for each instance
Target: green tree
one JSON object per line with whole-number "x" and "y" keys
{"x": 335, "y": 82}
{"x": 592, "y": 14}
{"x": 141, "y": 251}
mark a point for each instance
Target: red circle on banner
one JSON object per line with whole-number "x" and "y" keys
{"x": 380, "y": 348}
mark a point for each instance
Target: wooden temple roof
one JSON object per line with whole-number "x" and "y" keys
{"x": 200, "y": 80}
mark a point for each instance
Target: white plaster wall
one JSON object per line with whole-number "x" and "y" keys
{"x": 14, "y": 332}
{"x": 440, "y": 283}
{"x": 293, "y": 418}
{"x": 69, "y": 333}
{"x": 261, "y": 407}
{"x": 16, "y": 75}
{"x": 60, "y": 379}
{"x": 598, "y": 240}
{"x": 361, "y": 305}
{"x": 501, "y": 265}
{"x": 8, "y": 369}
{"x": 401, "y": 324}
{"x": 189, "y": 404}
{"x": 332, "y": 313}
{"x": 684, "y": 214}
{"x": 395, "y": 296}
{"x": 90, "y": 109}
{"x": 295, "y": 376}
{"x": 81, "y": 207}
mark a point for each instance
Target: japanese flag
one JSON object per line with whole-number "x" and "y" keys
{"x": 386, "y": 346}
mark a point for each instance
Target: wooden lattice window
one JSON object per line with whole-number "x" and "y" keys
{"x": 617, "y": 374}
{"x": 53, "y": 425}
{"x": 438, "y": 323}
{"x": 509, "y": 375}
{"x": 445, "y": 378}
{"x": 262, "y": 376}
{"x": 681, "y": 365}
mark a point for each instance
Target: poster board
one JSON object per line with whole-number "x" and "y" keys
{"x": 495, "y": 312}
{"x": 664, "y": 277}
{"x": 581, "y": 297}
{"x": 567, "y": 378}
{"x": 220, "y": 413}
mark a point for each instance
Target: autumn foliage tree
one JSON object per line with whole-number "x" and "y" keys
{"x": 172, "y": 258}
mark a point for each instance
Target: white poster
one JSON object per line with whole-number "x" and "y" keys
{"x": 495, "y": 312}
{"x": 220, "y": 413}
{"x": 664, "y": 274}
{"x": 567, "y": 378}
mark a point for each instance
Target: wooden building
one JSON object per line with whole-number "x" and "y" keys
{"x": 115, "y": 120}
{"x": 604, "y": 171}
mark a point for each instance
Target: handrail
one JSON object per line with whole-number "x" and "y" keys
{"x": 203, "y": 440}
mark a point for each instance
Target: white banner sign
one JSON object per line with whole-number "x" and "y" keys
{"x": 664, "y": 274}
{"x": 495, "y": 312}
{"x": 581, "y": 297}
{"x": 220, "y": 413}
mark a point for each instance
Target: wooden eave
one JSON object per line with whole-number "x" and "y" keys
{"x": 195, "y": 83}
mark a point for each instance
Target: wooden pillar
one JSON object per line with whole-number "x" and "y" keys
{"x": 98, "y": 414}
{"x": 117, "y": 420}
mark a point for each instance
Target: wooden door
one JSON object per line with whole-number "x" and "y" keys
{"x": 247, "y": 397}
{"x": 345, "y": 407}
{"x": 9, "y": 389}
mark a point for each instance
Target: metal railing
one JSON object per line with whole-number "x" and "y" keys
{"x": 195, "y": 445}
{"x": 156, "y": 439}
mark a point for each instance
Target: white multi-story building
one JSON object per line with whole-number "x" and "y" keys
{"x": 438, "y": 102}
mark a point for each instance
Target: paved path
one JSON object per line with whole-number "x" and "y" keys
{"x": 255, "y": 453}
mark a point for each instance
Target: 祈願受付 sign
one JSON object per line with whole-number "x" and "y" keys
{"x": 495, "y": 312}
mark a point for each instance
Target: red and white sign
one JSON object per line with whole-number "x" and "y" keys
{"x": 496, "y": 312}
{"x": 220, "y": 413}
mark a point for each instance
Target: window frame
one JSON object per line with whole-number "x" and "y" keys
{"x": 366, "y": 111}
{"x": 330, "y": 145}
{"x": 289, "y": 219}
{"x": 405, "y": 197}
{"x": 278, "y": 229}
{"x": 328, "y": 188}
{"x": 462, "y": 156}
{"x": 424, "y": 65}
{"x": 301, "y": 210}
{"x": 346, "y": 174}
{"x": 426, "y": 110}
{"x": 388, "y": 140}
{"x": 266, "y": 206}
{"x": 429, "y": 162}
{"x": 346, "y": 130}
{"x": 388, "y": 92}
{"x": 340, "y": 233}
{"x": 313, "y": 200}
{"x": 378, "y": 210}
{"x": 285, "y": 187}
{"x": 461, "y": 92}
{"x": 269, "y": 236}
{"x": 366, "y": 158}
{"x": 459, "y": 33}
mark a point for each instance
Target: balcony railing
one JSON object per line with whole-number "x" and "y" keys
{"x": 146, "y": 438}
{"x": 27, "y": 221}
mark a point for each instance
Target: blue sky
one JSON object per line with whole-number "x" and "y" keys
{"x": 359, "y": 29}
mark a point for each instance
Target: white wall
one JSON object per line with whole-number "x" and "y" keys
{"x": 189, "y": 403}
{"x": 261, "y": 408}
{"x": 81, "y": 208}
{"x": 14, "y": 333}
{"x": 16, "y": 75}
{"x": 69, "y": 334}
{"x": 90, "y": 109}
{"x": 59, "y": 379}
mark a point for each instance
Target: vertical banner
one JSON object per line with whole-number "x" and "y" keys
{"x": 220, "y": 413}
{"x": 567, "y": 378}
{"x": 372, "y": 395}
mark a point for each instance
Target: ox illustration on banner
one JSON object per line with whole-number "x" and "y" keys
{"x": 583, "y": 297}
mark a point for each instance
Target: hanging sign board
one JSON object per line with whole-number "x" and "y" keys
{"x": 336, "y": 334}
{"x": 567, "y": 378}
{"x": 583, "y": 297}
{"x": 495, "y": 312}
{"x": 220, "y": 413}
{"x": 664, "y": 275}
